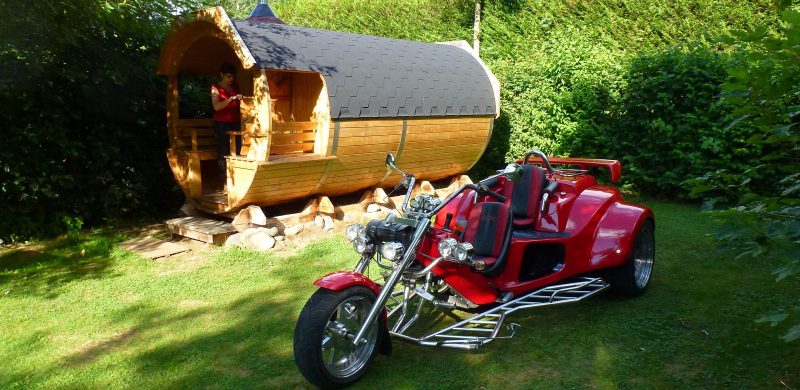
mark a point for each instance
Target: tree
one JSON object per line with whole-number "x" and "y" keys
{"x": 765, "y": 214}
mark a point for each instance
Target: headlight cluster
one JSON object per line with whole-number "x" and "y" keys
{"x": 361, "y": 243}
{"x": 451, "y": 249}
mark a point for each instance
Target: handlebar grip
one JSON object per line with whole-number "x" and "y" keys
{"x": 500, "y": 198}
{"x": 485, "y": 191}
{"x": 551, "y": 187}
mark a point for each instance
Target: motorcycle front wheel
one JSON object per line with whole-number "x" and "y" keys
{"x": 323, "y": 337}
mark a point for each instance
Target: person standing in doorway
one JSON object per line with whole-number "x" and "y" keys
{"x": 225, "y": 99}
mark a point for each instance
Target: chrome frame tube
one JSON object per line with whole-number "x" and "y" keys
{"x": 418, "y": 312}
{"x": 403, "y": 308}
{"x": 427, "y": 270}
{"x": 491, "y": 321}
{"x": 387, "y": 288}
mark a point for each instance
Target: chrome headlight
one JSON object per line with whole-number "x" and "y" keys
{"x": 392, "y": 250}
{"x": 353, "y": 231}
{"x": 447, "y": 247}
{"x": 464, "y": 252}
{"x": 362, "y": 244}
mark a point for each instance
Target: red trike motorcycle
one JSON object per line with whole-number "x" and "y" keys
{"x": 530, "y": 236}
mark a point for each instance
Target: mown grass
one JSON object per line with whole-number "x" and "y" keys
{"x": 224, "y": 319}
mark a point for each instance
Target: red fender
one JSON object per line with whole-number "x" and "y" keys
{"x": 341, "y": 280}
{"x": 615, "y": 233}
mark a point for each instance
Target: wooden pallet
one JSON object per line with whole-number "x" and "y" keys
{"x": 201, "y": 229}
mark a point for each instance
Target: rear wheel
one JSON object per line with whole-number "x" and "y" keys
{"x": 323, "y": 337}
{"x": 633, "y": 277}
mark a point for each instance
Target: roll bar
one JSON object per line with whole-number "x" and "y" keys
{"x": 541, "y": 155}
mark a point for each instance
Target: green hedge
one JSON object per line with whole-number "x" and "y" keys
{"x": 669, "y": 125}
{"x": 83, "y": 133}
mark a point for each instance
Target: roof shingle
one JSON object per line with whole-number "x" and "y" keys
{"x": 370, "y": 76}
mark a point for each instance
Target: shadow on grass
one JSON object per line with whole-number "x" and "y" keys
{"x": 42, "y": 269}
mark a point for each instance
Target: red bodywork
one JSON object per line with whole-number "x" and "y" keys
{"x": 591, "y": 224}
{"x": 343, "y": 279}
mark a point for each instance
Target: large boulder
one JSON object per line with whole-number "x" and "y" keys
{"x": 258, "y": 239}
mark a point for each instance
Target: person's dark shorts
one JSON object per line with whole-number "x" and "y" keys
{"x": 222, "y": 138}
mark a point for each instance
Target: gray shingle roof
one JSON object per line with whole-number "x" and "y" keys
{"x": 370, "y": 76}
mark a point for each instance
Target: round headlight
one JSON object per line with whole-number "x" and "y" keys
{"x": 362, "y": 245}
{"x": 353, "y": 231}
{"x": 464, "y": 252}
{"x": 392, "y": 250}
{"x": 446, "y": 247}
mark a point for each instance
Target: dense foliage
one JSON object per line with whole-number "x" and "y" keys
{"x": 765, "y": 217}
{"x": 83, "y": 136}
{"x": 624, "y": 79}
{"x": 668, "y": 124}
{"x": 633, "y": 81}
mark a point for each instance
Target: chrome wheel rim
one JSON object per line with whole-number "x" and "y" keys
{"x": 643, "y": 256}
{"x": 339, "y": 355}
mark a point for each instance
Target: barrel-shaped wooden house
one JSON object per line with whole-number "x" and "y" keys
{"x": 322, "y": 109}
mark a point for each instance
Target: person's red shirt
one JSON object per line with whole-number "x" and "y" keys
{"x": 231, "y": 112}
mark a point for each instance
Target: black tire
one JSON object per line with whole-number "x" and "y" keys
{"x": 318, "y": 364}
{"x": 633, "y": 277}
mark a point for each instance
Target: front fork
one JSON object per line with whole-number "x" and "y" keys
{"x": 388, "y": 287}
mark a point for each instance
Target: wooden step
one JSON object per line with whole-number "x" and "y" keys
{"x": 201, "y": 229}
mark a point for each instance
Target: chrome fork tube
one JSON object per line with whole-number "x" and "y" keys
{"x": 362, "y": 264}
{"x": 387, "y": 288}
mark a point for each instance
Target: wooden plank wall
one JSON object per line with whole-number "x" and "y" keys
{"x": 432, "y": 149}
{"x": 439, "y": 147}
{"x": 361, "y": 151}
{"x": 274, "y": 183}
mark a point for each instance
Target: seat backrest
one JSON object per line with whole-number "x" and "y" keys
{"x": 489, "y": 232}
{"x": 526, "y": 193}
{"x": 459, "y": 209}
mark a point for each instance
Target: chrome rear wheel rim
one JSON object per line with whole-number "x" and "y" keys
{"x": 643, "y": 256}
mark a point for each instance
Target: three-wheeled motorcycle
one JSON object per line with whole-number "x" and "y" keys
{"x": 532, "y": 235}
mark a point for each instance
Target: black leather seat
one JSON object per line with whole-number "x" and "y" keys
{"x": 489, "y": 232}
{"x": 525, "y": 196}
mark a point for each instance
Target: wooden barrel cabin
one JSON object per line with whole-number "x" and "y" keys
{"x": 321, "y": 109}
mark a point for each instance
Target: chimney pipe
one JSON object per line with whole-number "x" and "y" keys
{"x": 263, "y": 13}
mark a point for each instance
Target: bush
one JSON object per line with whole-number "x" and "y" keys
{"x": 765, "y": 214}
{"x": 588, "y": 78}
{"x": 84, "y": 137}
{"x": 669, "y": 125}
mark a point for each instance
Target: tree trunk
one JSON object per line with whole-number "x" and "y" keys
{"x": 476, "y": 45}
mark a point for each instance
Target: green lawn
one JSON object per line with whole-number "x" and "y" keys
{"x": 224, "y": 319}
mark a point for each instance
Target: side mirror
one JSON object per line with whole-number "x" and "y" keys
{"x": 389, "y": 160}
{"x": 512, "y": 172}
